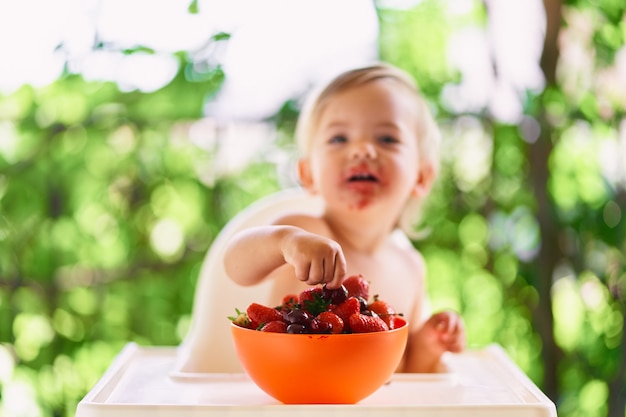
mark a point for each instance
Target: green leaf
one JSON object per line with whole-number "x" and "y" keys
{"x": 221, "y": 36}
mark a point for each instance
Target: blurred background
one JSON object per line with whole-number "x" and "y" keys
{"x": 131, "y": 131}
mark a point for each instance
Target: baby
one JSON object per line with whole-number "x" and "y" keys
{"x": 369, "y": 147}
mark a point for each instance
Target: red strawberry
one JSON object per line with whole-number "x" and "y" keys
{"x": 347, "y": 308}
{"x": 360, "y": 323}
{"x": 312, "y": 301}
{"x": 333, "y": 319}
{"x": 396, "y": 322}
{"x": 309, "y": 294}
{"x": 384, "y": 310}
{"x": 357, "y": 286}
{"x": 276, "y": 326}
{"x": 289, "y": 301}
{"x": 260, "y": 314}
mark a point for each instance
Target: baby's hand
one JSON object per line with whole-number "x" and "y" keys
{"x": 446, "y": 330}
{"x": 316, "y": 259}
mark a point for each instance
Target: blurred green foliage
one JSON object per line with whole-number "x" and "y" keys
{"x": 107, "y": 208}
{"x": 104, "y": 222}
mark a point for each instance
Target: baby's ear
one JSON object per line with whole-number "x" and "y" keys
{"x": 305, "y": 176}
{"x": 425, "y": 179}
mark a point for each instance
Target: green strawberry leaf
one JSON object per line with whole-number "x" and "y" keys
{"x": 317, "y": 305}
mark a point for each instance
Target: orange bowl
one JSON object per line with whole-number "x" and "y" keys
{"x": 319, "y": 368}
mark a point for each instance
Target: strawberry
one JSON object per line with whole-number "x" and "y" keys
{"x": 260, "y": 314}
{"x": 312, "y": 301}
{"x": 361, "y": 323}
{"x": 276, "y": 326}
{"x": 333, "y": 319}
{"x": 357, "y": 286}
{"x": 384, "y": 310}
{"x": 309, "y": 294}
{"x": 396, "y": 322}
{"x": 347, "y": 308}
{"x": 241, "y": 319}
{"x": 289, "y": 301}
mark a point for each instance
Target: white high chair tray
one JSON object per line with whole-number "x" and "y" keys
{"x": 143, "y": 381}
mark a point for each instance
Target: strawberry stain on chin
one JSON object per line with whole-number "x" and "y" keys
{"x": 364, "y": 194}
{"x": 357, "y": 206}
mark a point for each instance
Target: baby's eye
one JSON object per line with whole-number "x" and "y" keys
{"x": 338, "y": 139}
{"x": 388, "y": 140}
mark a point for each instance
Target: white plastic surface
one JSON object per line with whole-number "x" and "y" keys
{"x": 144, "y": 382}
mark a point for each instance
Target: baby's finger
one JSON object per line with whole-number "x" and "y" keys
{"x": 456, "y": 344}
{"x": 302, "y": 271}
{"x": 329, "y": 269}
{"x": 443, "y": 323}
{"x": 459, "y": 335}
{"x": 456, "y": 339}
{"x": 338, "y": 271}
{"x": 316, "y": 272}
{"x": 459, "y": 346}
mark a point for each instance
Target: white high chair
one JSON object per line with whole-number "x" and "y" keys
{"x": 202, "y": 376}
{"x": 208, "y": 346}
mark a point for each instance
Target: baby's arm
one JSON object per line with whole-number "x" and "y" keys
{"x": 253, "y": 254}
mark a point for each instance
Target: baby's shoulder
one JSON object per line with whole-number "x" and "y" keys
{"x": 405, "y": 251}
{"x": 304, "y": 221}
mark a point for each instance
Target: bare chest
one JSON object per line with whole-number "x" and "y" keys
{"x": 390, "y": 277}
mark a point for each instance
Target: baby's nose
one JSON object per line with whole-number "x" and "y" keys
{"x": 363, "y": 150}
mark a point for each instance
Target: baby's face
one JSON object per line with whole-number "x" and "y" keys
{"x": 364, "y": 150}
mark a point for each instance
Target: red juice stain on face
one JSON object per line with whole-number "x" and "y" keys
{"x": 361, "y": 203}
{"x": 362, "y": 194}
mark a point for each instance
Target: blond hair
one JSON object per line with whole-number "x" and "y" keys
{"x": 428, "y": 134}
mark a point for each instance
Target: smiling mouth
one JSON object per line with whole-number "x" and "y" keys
{"x": 362, "y": 177}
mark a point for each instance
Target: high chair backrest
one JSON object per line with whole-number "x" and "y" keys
{"x": 208, "y": 346}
